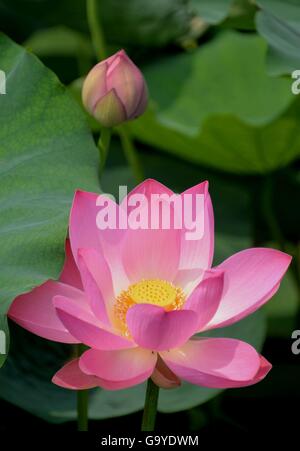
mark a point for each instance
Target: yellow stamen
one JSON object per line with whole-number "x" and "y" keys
{"x": 151, "y": 291}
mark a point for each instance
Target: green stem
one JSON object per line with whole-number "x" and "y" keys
{"x": 150, "y": 409}
{"x": 95, "y": 29}
{"x": 82, "y": 400}
{"x": 99, "y": 44}
{"x": 103, "y": 146}
{"x": 131, "y": 154}
{"x": 82, "y": 410}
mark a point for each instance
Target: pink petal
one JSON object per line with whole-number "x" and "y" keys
{"x": 94, "y": 86}
{"x": 151, "y": 252}
{"x": 205, "y": 299}
{"x": 70, "y": 274}
{"x": 82, "y": 225}
{"x": 216, "y": 362}
{"x": 97, "y": 281}
{"x": 153, "y": 328}
{"x": 198, "y": 253}
{"x": 119, "y": 369}
{"x": 70, "y": 376}
{"x": 188, "y": 279}
{"x": 87, "y": 328}
{"x": 163, "y": 377}
{"x": 127, "y": 80}
{"x": 251, "y": 279}
{"x": 147, "y": 188}
{"x": 84, "y": 233}
{"x": 35, "y": 311}
{"x": 143, "y": 103}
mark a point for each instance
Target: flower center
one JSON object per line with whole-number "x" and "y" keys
{"x": 150, "y": 291}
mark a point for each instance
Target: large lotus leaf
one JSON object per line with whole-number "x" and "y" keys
{"x": 212, "y": 11}
{"x": 217, "y": 106}
{"x": 46, "y": 152}
{"x": 278, "y": 22}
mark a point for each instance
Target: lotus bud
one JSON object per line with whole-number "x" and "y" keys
{"x": 115, "y": 91}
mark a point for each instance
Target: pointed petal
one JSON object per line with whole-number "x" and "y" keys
{"x": 151, "y": 251}
{"x": 126, "y": 79}
{"x": 70, "y": 376}
{"x": 198, "y": 253}
{"x": 251, "y": 278}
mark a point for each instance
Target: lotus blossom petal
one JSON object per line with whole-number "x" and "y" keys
{"x": 86, "y": 327}
{"x": 97, "y": 281}
{"x": 147, "y": 188}
{"x": 109, "y": 110}
{"x": 251, "y": 278}
{"x": 96, "y": 88}
{"x": 188, "y": 279}
{"x": 70, "y": 274}
{"x": 35, "y": 311}
{"x": 70, "y": 376}
{"x": 82, "y": 227}
{"x": 126, "y": 85}
{"x": 84, "y": 233}
{"x": 217, "y": 363}
{"x": 151, "y": 254}
{"x": 153, "y": 328}
{"x": 205, "y": 299}
{"x": 118, "y": 369}
{"x": 163, "y": 377}
{"x": 198, "y": 253}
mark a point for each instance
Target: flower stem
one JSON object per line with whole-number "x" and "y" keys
{"x": 98, "y": 40}
{"x": 82, "y": 400}
{"x": 103, "y": 146}
{"x": 131, "y": 154}
{"x": 150, "y": 409}
{"x": 82, "y": 410}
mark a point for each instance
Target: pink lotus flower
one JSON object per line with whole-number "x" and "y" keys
{"x": 137, "y": 298}
{"x": 115, "y": 91}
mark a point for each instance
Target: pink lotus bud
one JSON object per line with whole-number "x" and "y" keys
{"x": 115, "y": 91}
